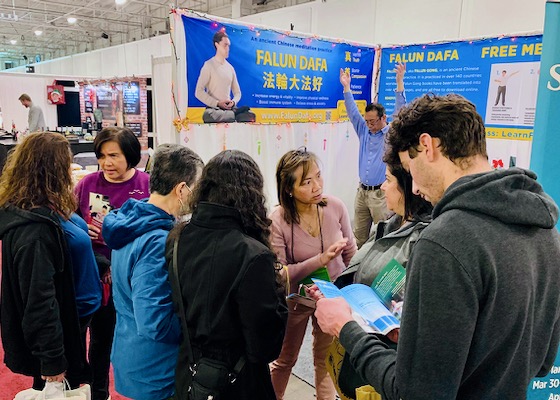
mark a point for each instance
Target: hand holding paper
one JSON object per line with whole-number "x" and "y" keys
{"x": 93, "y": 231}
{"x": 313, "y": 292}
{"x": 333, "y": 314}
{"x": 363, "y": 301}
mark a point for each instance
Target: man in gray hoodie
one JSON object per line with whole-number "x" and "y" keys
{"x": 481, "y": 315}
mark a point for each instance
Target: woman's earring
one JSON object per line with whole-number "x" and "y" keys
{"x": 291, "y": 195}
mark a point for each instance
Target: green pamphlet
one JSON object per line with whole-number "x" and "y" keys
{"x": 321, "y": 273}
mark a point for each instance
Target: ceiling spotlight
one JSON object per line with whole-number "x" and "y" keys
{"x": 120, "y": 2}
{"x": 9, "y": 16}
{"x": 71, "y": 20}
{"x": 38, "y": 32}
{"x": 13, "y": 41}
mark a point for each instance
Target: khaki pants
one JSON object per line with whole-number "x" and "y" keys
{"x": 502, "y": 93}
{"x": 369, "y": 207}
{"x": 281, "y": 368}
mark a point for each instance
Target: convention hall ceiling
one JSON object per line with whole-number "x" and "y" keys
{"x": 32, "y": 30}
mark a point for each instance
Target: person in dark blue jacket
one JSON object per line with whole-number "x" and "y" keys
{"x": 148, "y": 333}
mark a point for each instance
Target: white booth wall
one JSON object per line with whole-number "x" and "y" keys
{"x": 125, "y": 60}
{"x": 370, "y": 21}
{"x": 407, "y": 21}
{"x": 381, "y": 22}
{"x": 12, "y": 85}
{"x": 377, "y": 21}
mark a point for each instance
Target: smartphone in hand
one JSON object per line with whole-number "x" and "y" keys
{"x": 304, "y": 301}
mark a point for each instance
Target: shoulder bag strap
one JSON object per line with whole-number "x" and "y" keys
{"x": 176, "y": 292}
{"x": 177, "y": 297}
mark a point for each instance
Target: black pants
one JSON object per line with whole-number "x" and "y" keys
{"x": 502, "y": 93}
{"x": 101, "y": 333}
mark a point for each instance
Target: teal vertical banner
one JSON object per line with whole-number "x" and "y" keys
{"x": 545, "y": 160}
{"x": 548, "y": 387}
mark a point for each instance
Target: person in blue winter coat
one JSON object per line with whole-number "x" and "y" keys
{"x": 148, "y": 332}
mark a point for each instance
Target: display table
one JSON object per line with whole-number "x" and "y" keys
{"x": 80, "y": 146}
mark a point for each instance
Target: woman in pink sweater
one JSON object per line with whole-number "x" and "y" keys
{"x": 311, "y": 234}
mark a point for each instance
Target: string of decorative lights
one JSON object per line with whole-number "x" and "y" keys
{"x": 255, "y": 28}
{"x": 183, "y": 123}
{"x": 471, "y": 40}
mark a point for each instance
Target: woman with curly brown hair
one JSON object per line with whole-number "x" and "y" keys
{"x": 228, "y": 282}
{"x": 50, "y": 282}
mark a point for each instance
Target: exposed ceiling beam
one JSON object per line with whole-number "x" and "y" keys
{"x": 137, "y": 19}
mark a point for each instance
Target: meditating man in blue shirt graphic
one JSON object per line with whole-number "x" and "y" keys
{"x": 369, "y": 205}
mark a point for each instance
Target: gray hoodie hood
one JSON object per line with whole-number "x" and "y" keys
{"x": 512, "y": 196}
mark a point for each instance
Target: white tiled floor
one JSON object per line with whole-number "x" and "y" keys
{"x": 299, "y": 390}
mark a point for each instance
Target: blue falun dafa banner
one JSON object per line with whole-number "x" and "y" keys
{"x": 283, "y": 77}
{"x": 498, "y": 75}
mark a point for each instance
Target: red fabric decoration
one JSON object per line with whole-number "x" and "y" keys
{"x": 497, "y": 164}
{"x": 55, "y": 94}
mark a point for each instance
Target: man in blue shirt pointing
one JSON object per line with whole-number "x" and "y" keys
{"x": 369, "y": 205}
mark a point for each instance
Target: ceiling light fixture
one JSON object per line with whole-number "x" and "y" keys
{"x": 120, "y": 2}
{"x": 72, "y": 20}
{"x": 13, "y": 41}
{"x": 38, "y": 32}
{"x": 9, "y": 16}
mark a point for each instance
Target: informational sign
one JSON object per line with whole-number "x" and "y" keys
{"x": 548, "y": 387}
{"x": 135, "y": 127}
{"x": 89, "y": 98}
{"x": 545, "y": 161}
{"x": 499, "y": 75}
{"x": 131, "y": 98}
{"x": 107, "y": 102}
{"x": 282, "y": 78}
